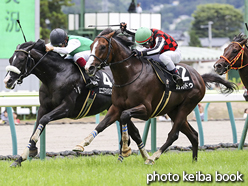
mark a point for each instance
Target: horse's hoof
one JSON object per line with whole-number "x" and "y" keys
{"x": 149, "y": 162}
{"x": 33, "y": 152}
{"x": 15, "y": 164}
{"x": 78, "y": 148}
{"x": 126, "y": 153}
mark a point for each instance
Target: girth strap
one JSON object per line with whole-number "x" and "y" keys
{"x": 163, "y": 102}
{"x": 87, "y": 104}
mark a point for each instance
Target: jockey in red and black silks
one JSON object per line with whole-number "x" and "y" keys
{"x": 169, "y": 44}
{"x": 159, "y": 46}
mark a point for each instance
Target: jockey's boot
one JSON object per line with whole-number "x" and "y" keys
{"x": 91, "y": 82}
{"x": 176, "y": 76}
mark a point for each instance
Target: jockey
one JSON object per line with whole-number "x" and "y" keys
{"x": 76, "y": 47}
{"x": 158, "y": 46}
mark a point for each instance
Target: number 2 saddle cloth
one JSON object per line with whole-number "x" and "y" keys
{"x": 170, "y": 85}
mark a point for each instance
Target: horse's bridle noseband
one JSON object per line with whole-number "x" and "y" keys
{"x": 235, "y": 59}
{"x": 26, "y": 73}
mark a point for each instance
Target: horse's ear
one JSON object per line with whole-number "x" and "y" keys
{"x": 40, "y": 45}
{"x": 111, "y": 34}
{"x": 244, "y": 42}
{"x": 29, "y": 47}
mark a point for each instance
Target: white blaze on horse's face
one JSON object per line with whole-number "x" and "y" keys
{"x": 91, "y": 59}
{"x": 6, "y": 79}
{"x": 11, "y": 68}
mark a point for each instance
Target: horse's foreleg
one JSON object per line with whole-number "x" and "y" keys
{"x": 43, "y": 119}
{"x": 136, "y": 112}
{"x": 34, "y": 139}
{"x": 125, "y": 150}
{"x": 111, "y": 117}
{"x": 25, "y": 153}
{"x": 134, "y": 133}
{"x": 155, "y": 156}
{"x": 172, "y": 136}
{"x": 86, "y": 141}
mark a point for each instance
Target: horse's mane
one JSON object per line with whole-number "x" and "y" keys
{"x": 240, "y": 38}
{"x": 121, "y": 38}
{"x": 27, "y": 44}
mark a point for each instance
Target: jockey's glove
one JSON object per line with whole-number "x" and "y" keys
{"x": 137, "y": 53}
{"x": 123, "y": 26}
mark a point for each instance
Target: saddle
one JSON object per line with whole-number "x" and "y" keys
{"x": 167, "y": 79}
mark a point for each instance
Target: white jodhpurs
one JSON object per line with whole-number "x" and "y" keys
{"x": 169, "y": 58}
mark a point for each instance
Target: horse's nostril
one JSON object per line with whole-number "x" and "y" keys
{"x": 91, "y": 70}
{"x": 217, "y": 66}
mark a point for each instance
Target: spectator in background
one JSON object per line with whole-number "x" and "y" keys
{"x": 132, "y": 7}
{"x": 4, "y": 118}
{"x": 201, "y": 109}
{"x": 138, "y": 8}
{"x": 245, "y": 113}
{"x": 16, "y": 120}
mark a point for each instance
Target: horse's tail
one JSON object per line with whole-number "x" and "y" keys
{"x": 228, "y": 87}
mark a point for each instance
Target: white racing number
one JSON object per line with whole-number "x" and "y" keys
{"x": 183, "y": 75}
{"x": 106, "y": 80}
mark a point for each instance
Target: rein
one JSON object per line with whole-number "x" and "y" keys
{"x": 118, "y": 86}
{"x": 235, "y": 59}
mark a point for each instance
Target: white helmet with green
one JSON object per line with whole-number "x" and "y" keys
{"x": 142, "y": 35}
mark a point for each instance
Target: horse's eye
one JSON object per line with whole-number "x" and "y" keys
{"x": 234, "y": 51}
{"x": 102, "y": 47}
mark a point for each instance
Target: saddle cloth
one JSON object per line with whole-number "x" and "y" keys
{"x": 105, "y": 81}
{"x": 166, "y": 78}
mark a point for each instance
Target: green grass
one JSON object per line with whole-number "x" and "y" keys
{"x": 104, "y": 170}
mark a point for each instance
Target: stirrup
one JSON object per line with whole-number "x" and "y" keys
{"x": 177, "y": 79}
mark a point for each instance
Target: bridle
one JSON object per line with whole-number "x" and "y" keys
{"x": 30, "y": 59}
{"x": 104, "y": 63}
{"x": 235, "y": 59}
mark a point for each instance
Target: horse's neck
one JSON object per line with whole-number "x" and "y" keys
{"x": 47, "y": 69}
{"x": 125, "y": 71}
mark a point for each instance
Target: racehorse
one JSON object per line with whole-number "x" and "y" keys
{"x": 235, "y": 57}
{"x": 138, "y": 92}
{"x": 62, "y": 93}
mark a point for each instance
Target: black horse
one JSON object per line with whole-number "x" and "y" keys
{"x": 62, "y": 93}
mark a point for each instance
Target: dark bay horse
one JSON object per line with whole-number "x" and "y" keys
{"x": 62, "y": 93}
{"x": 235, "y": 57}
{"x": 137, "y": 92}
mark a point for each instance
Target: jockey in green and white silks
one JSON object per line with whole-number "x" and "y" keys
{"x": 76, "y": 47}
